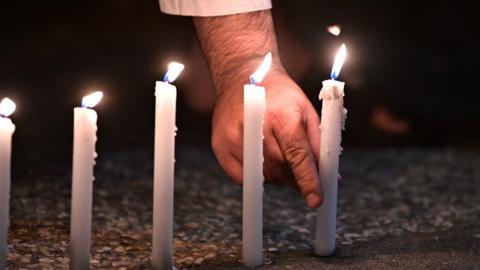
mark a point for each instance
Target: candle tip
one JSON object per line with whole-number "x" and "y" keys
{"x": 92, "y": 99}
{"x": 7, "y": 107}
{"x": 260, "y": 73}
{"x": 334, "y": 30}
{"x": 338, "y": 63}
{"x": 174, "y": 69}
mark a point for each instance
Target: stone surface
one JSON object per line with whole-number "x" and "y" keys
{"x": 398, "y": 208}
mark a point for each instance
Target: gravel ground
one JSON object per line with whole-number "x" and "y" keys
{"x": 398, "y": 208}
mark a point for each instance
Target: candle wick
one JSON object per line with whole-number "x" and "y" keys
{"x": 252, "y": 81}
{"x": 165, "y": 78}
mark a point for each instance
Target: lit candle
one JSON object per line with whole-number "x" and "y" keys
{"x": 165, "y": 131}
{"x": 332, "y": 123}
{"x": 254, "y": 110}
{"x": 7, "y": 128}
{"x": 84, "y": 138}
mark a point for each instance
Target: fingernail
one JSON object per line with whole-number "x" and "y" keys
{"x": 313, "y": 200}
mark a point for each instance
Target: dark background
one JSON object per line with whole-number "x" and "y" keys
{"x": 416, "y": 60}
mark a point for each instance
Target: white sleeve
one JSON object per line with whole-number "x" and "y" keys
{"x": 212, "y": 7}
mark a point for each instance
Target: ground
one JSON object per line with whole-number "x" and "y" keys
{"x": 398, "y": 209}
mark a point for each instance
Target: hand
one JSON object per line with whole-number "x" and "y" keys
{"x": 234, "y": 46}
{"x": 291, "y": 131}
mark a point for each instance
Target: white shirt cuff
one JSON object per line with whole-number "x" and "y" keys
{"x": 212, "y": 7}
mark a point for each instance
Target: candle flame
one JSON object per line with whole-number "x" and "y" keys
{"x": 7, "y": 107}
{"x": 92, "y": 99}
{"x": 258, "y": 75}
{"x": 338, "y": 63}
{"x": 174, "y": 69}
{"x": 334, "y": 30}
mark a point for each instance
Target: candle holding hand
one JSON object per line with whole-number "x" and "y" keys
{"x": 7, "y": 128}
{"x": 332, "y": 123}
{"x": 163, "y": 186}
{"x": 84, "y": 139}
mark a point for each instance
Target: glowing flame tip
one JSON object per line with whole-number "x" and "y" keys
{"x": 334, "y": 30}
{"x": 7, "y": 107}
{"x": 338, "y": 63}
{"x": 92, "y": 99}
{"x": 258, "y": 75}
{"x": 174, "y": 69}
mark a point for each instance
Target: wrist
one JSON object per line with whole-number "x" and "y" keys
{"x": 235, "y": 45}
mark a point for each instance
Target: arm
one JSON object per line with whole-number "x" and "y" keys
{"x": 234, "y": 46}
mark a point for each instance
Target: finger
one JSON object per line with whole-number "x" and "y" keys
{"x": 313, "y": 132}
{"x": 232, "y": 168}
{"x": 275, "y": 169}
{"x": 296, "y": 150}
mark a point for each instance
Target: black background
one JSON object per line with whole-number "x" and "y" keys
{"x": 417, "y": 59}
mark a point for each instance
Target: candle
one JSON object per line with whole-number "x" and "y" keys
{"x": 254, "y": 110}
{"x": 165, "y": 130}
{"x": 7, "y": 128}
{"x": 84, "y": 138}
{"x": 332, "y": 123}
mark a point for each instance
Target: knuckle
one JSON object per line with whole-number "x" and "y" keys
{"x": 296, "y": 155}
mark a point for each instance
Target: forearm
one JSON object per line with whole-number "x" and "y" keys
{"x": 234, "y": 45}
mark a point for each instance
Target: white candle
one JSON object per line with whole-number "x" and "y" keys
{"x": 165, "y": 131}
{"x": 254, "y": 110}
{"x": 7, "y": 128}
{"x": 84, "y": 138}
{"x": 332, "y": 123}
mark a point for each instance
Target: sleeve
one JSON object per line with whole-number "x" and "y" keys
{"x": 212, "y": 7}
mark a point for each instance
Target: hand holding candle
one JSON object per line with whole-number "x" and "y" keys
{"x": 7, "y": 107}
{"x": 333, "y": 120}
{"x": 84, "y": 139}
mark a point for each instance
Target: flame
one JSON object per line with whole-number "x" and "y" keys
{"x": 339, "y": 59}
{"x": 258, "y": 75}
{"x": 174, "y": 69}
{"x": 7, "y": 107}
{"x": 334, "y": 30}
{"x": 92, "y": 100}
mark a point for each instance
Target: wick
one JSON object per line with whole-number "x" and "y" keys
{"x": 252, "y": 81}
{"x": 165, "y": 78}
{"x": 334, "y": 75}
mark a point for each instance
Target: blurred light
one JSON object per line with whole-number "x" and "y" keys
{"x": 174, "y": 69}
{"x": 338, "y": 63}
{"x": 7, "y": 107}
{"x": 92, "y": 100}
{"x": 334, "y": 29}
{"x": 258, "y": 75}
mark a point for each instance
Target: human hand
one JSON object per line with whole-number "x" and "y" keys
{"x": 291, "y": 135}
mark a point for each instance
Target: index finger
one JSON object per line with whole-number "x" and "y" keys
{"x": 293, "y": 141}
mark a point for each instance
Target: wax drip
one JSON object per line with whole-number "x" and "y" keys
{"x": 331, "y": 93}
{"x": 344, "y": 117}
